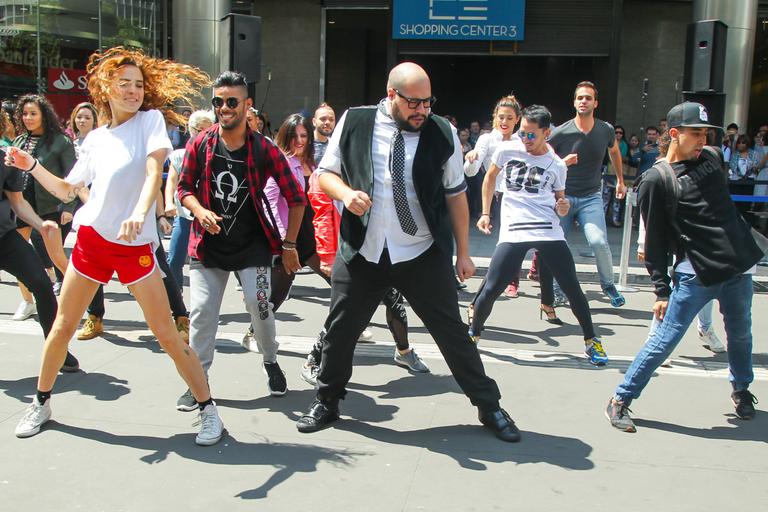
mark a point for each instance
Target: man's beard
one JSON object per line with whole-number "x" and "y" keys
{"x": 403, "y": 123}
{"x": 324, "y": 132}
{"x": 235, "y": 122}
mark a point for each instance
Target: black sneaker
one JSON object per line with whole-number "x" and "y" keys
{"x": 745, "y": 404}
{"x": 71, "y": 364}
{"x": 277, "y": 384}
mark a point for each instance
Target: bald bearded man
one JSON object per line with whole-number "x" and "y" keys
{"x": 398, "y": 170}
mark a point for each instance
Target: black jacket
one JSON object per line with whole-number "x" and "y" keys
{"x": 707, "y": 229}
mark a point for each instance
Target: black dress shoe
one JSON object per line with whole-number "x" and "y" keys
{"x": 501, "y": 425}
{"x": 319, "y": 415}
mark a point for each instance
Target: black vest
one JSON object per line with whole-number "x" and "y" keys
{"x": 434, "y": 149}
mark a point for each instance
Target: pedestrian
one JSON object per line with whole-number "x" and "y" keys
{"x": 398, "y": 170}
{"x": 123, "y": 163}
{"x": 222, "y": 182}
{"x": 533, "y": 183}
{"x": 582, "y": 143}
{"x": 688, "y": 212}
{"x": 42, "y": 137}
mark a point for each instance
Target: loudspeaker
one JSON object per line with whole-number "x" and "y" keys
{"x": 705, "y": 56}
{"x": 241, "y": 45}
{"x": 715, "y": 105}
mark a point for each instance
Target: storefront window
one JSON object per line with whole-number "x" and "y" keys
{"x": 68, "y": 32}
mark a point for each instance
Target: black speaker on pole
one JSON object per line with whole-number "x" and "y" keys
{"x": 714, "y": 102}
{"x": 705, "y": 56}
{"x": 241, "y": 45}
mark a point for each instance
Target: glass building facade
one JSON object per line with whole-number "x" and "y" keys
{"x": 45, "y": 44}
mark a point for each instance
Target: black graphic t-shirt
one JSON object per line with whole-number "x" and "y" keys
{"x": 241, "y": 243}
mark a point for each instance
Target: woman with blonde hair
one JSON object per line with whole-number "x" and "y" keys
{"x": 123, "y": 163}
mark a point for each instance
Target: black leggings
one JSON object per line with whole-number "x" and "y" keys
{"x": 18, "y": 258}
{"x": 554, "y": 258}
{"x": 172, "y": 288}
{"x": 397, "y": 321}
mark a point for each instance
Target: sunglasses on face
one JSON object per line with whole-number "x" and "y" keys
{"x": 527, "y": 135}
{"x": 413, "y": 103}
{"x": 219, "y": 102}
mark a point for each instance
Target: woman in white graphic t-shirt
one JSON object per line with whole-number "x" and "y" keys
{"x": 123, "y": 162}
{"x": 533, "y": 185}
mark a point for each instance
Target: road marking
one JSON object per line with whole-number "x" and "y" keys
{"x": 489, "y": 355}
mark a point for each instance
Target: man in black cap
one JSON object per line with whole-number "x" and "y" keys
{"x": 688, "y": 212}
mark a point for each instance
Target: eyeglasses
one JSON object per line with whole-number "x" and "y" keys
{"x": 219, "y": 102}
{"x": 527, "y": 135}
{"x": 414, "y": 103}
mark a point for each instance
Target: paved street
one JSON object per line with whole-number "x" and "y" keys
{"x": 405, "y": 441}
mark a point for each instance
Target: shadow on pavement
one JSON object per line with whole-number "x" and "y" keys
{"x": 471, "y": 446}
{"x": 100, "y": 386}
{"x": 411, "y": 385}
{"x": 287, "y": 458}
{"x": 752, "y": 430}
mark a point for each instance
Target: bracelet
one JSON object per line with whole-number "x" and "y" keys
{"x": 485, "y": 214}
{"x": 33, "y": 166}
{"x": 289, "y": 242}
{"x": 290, "y": 249}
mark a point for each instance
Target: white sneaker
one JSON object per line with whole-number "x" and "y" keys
{"x": 25, "y": 310}
{"x": 710, "y": 339}
{"x": 34, "y": 418}
{"x": 211, "y": 426}
{"x": 366, "y": 335}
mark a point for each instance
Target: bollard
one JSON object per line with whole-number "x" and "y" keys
{"x": 626, "y": 243}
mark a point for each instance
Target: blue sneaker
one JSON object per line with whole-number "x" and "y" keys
{"x": 617, "y": 299}
{"x": 595, "y": 353}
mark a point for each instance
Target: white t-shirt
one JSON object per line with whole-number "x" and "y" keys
{"x": 114, "y": 162}
{"x": 529, "y": 183}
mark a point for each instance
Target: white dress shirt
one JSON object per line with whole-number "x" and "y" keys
{"x": 384, "y": 229}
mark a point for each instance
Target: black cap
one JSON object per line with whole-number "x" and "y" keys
{"x": 690, "y": 115}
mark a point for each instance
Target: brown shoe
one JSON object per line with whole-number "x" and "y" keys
{"x": 92, "y": 327}
{"x": 182, "y": 325}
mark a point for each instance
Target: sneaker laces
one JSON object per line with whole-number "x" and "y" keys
{"x": 597, "y": 345}
{"x": 32, "y": 411}
{"x": 207, "y": 420}
{"x": 747, "y": 394}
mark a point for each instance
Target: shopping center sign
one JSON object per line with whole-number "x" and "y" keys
{"x": 479, "y": 20}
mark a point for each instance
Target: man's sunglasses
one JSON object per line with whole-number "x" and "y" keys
{"x": 415, "y": 102}
{"x": 219, "y": 102}
{"x": 526, "y": 135}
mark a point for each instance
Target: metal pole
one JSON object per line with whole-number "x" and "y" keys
{"x": 626, "y": 243}
{"x": 99, "y": 15}
{"x": 40, "y": 88}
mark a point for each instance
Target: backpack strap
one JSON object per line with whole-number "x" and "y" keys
{"x": 672, "y": 191}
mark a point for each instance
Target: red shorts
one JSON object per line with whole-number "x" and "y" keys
{"x": 98, "y": 259}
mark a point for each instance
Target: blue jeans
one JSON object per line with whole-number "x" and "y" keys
{"x": 687, "y": 299}
{"x": 588, "y": 211}
{"x": 704, "y": 319}
{"x": 177, "y": 250}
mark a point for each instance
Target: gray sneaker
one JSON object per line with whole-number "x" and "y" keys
{"x": 411, "y": 361}
{"x": 309, "y": 373}
{"x": 618, "y": 414}
{"x": 186, "y": 402}
{"x": 34, "y": 418}
{"x": 211, "y": 426}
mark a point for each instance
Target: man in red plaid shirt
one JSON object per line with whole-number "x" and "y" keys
{"x": 221, "y": 183}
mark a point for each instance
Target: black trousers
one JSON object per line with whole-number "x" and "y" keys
{"x": 172, "y": 288}
{"x": 427, "y": 284}
{"x": 18, "y": 258}
{"x": 555, "y": 259}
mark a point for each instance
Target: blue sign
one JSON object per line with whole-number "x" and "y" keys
{"x": 475, "y": 20}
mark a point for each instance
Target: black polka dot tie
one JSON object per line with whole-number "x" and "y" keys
{"x": 397, "y": 168}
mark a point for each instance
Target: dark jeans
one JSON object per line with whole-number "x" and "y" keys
{"x": 172, "y": 288}
{"x": 555, "y": 259}
{"x": 18, "y": 258}
{"x": 427, "y": 284}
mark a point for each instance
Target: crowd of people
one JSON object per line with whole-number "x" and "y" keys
{"x": 377, "y": 204}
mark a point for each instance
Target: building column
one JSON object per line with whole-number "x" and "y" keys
{"x": 741, "y": 18}
{"x": 195, "y": 32}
